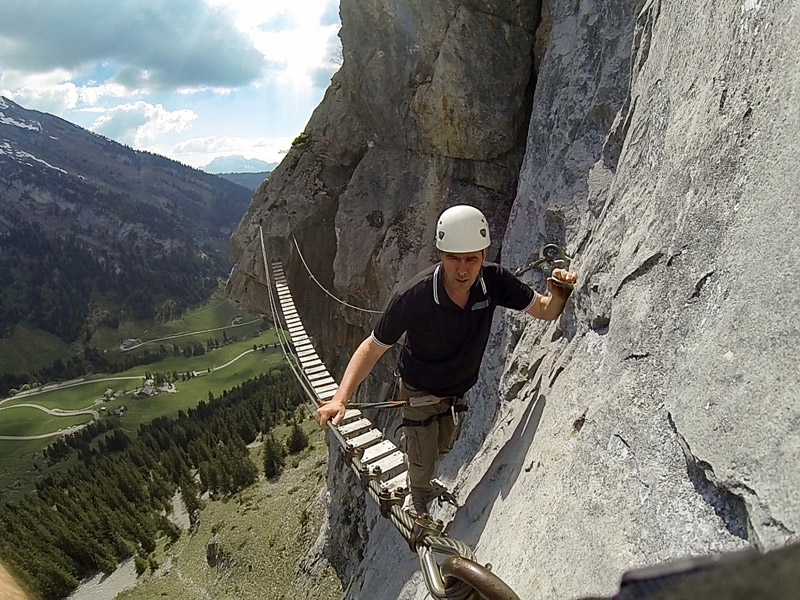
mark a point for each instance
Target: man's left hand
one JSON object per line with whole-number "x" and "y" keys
{"x": 559, "y": 287}
{"x": 561, "y": 282}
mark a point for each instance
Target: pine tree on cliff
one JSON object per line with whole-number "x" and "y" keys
{"x": 273, "y": 457}
{"x": 298, "y": 440}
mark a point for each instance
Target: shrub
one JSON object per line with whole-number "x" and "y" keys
{"x": 141, "y": 565}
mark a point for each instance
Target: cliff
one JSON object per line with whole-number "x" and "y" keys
{"x": 658, "y": 416}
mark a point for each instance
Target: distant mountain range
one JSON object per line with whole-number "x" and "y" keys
{"x": 238, "y": 164}
{"x": 93, "y": 232}
{"x": 248, "y": 180}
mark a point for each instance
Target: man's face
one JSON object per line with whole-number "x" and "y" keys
{"x": 461, "y": 269}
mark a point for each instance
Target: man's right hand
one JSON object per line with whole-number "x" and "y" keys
{"x": 332, "y": 411}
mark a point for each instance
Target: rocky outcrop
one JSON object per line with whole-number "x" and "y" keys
{"x": 658, "y": 416}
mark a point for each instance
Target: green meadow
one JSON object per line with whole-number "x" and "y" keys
{"x": 208, "y": 321}
{"x": 28, "y": 349}
{"x": 192, "y": 391}
{"x": 89, "y": 393}
{"x": 213, "y": 372}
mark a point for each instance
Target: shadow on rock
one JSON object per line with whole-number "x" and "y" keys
{"x": 500, "y": 477}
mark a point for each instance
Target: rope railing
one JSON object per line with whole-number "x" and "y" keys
{"x": 377, "y": 462}
{"x": 324, "y": 289}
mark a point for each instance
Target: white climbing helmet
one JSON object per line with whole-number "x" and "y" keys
{"x": 462, "y": 228}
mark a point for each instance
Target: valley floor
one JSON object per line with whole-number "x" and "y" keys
{"x": 259, "y": 541}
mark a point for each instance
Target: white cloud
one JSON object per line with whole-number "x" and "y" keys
{"x": 177, "y": 43}
{"x": 92, "y": 94}
{"x": 50, "y": 92}
{"x": 200, "y": 151}
{"x": 141, "y": 123}
{"x": 214, "y": 68}
{"x": 55, "y": 92}
{"x": 296, "y": 37}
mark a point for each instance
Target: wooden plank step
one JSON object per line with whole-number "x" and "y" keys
{"x": 350, "y": 414}
{"x": 378, "y": 451}
{"x": 326, "y": 388}
{"x": 326, "y": 396}
{"x": 389, "y": 464}
{"x": 355, "y": 427}
{"x": 315, "y": 370}
{"x": 318, "y": 377}
{"x": 365, "y": 440}
{"x": 398, "y": 483}
{"x": 323, "y": 383}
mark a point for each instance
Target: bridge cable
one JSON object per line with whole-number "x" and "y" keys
{"x": 322, "y": 287}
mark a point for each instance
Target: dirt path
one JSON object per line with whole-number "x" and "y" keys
{"x": 9, "y": 589}
{"x": 178, "y": 335}
{"x": 58, "y": 412}
{"x": 106, "y": 587}
{"x": 66, "y": 384}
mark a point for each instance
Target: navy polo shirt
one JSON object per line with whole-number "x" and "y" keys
{"x": 444, "y": 342}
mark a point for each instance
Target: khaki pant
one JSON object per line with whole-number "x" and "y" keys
{"x": 424, "y": 446}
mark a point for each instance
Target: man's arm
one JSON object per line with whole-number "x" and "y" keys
{"x": 360, "y": 365}
{"x": 549, "y": 307}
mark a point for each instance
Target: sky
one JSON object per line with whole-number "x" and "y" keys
{"x": 187, "y": 79}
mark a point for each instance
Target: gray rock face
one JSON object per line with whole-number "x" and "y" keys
{"x": 658, "y": 416}
{"x": 463, "y": 111}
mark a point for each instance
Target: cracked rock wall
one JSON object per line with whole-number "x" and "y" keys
{"x": 658, "y": 416}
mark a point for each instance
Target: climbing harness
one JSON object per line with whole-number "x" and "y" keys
{"x": 379, "y": 464}
{"x": 554, "y": 257}
{"x": 452, "y": 411}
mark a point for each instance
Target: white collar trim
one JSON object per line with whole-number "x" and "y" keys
{"x": 436, "y": 284}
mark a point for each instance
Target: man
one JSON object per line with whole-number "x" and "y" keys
{"x": 446, "y": 313}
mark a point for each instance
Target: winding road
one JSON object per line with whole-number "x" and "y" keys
{"x": 177, "y": 335}
{"x": 61, "y": 386}
{"x": 59, "y": 412}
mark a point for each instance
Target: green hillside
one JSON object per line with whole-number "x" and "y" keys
{"x": 195, "y": 377}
